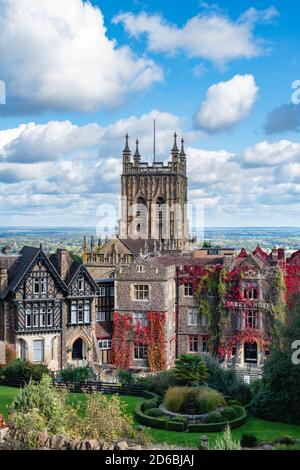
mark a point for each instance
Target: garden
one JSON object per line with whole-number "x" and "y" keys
{"x": 176, "y": 407}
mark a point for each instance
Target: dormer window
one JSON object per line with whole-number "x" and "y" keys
{"x": 80, "y": 283}
{"x": 141, "y": 269}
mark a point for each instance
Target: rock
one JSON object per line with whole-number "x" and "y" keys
{"x": 267, "y": 447}
{"x": 92, "y": 444}
{"x": 105, "y": 446}
{"x": 43, "y": 439}
{"x": 203, "y": 442}
{"x": 3, "y": 434}
{"x": 122, "y": 445}
{"x": 111, "y": 447}
{"x": 74, "y": 443}
{"x": 57, "y": 441}
{"x": 137, "y": 447}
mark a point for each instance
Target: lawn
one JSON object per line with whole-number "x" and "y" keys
{"x": 264, "y": 430}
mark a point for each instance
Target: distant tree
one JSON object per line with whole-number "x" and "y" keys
{"x": 190, "y": 369}
{"x": 206, "y": 244}
{"x": 76, "y": 258}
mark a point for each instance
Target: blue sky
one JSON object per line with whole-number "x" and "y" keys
{"x": 79, "y": 75}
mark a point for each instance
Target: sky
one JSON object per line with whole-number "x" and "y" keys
{"x": 79, "y": 75}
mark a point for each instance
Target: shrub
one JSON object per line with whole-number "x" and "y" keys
{"x": 239, "y": 410}
{"x": 126, "y": 377}
{"x": 155, "y": 412}
{"x": 285, "y": 440}
{"x": 180, "y": 419}
{"x": 158, "y": 383}
{"x": 177, "y": 398}
{"x": 209, "y": 399}
{"x": 249, "y": 440}
{"x": 190, "y": 369}
{"x": 76, "y": 375}
{"x": 106, "y": 418}
{"x": 193, "y": 400}
{"x": 150, "y": 404}
{"x": 242, "y": 392}
{"x": 223, "y": 380}
{"x": 24, "y": 370}
{"x": 225, "y": 442}
{"x": 10, "y": 353}
{"x": 214, "y": 417}
{"x": 175, "y": 426}
{"x": 228, "y": 414}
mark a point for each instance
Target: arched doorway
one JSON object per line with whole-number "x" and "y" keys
{"x": 250, "y": 353}
{"x": 78, "y": 350}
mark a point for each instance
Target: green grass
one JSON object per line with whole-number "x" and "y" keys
{"x": 264, "y": 430}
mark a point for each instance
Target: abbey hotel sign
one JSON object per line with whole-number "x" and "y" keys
{"x": 254, "y": 305}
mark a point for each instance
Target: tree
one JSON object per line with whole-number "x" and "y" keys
{"x": 190, "y": 369}
{"x": 277, "y": 396}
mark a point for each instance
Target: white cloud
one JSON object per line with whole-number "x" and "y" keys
{"x": 56, "y": 54}
{"x": 210, "y": 36}
{"x": 271, "y": 153}
{"x": 227, "y": 103}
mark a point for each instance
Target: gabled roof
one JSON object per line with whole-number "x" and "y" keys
{"x": 138, "y": 245}
{"x": 23, "y": 263}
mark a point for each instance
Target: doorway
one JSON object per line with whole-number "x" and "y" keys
{"x": 250, "y": 353}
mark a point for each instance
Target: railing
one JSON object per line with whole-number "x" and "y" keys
{"x": 87, "y": 387}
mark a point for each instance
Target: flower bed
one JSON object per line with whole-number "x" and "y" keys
{"x": 193, "y": 418}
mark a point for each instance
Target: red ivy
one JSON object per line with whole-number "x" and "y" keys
{"x": 126, "y": 334}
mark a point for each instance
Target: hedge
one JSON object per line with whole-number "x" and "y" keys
{"x": 163, "y": 423}
{"x": 218, "y": 427}
{"x": 152, "y": 422}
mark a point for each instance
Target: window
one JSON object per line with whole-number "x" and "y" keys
{"x": 42, "y": 316}
{"x": 141, "y": 292}
{"x": 205, "y": 346}
{"x": 140, "y": 318}
{"x": 140, "y": 351}
{"x": 188, "y": 290}
{"x": 100, "y": 316}
{"x": 80, "y": 312}
{"x": 104, "y": 344}
{"x": 251, "y": 319}
{"x": 193, "y": 317}
{"x": 101, "y": 291}
{"x": 28, "y": 318}
{"x": 50, "y": 316}
{"x": 203, "y": 320}
{"x": 213, "y": 252}
{"x": 193, "y": 343}
{"x": 250, "y": 293}
{"x": 80, "y": 283}
{"x": 38, "y": 350}
{"x": 36, "y": 314}
{"x": 112, "y": 292}
{"x": 39, "y": 285}
{"x": 141, "y": 269}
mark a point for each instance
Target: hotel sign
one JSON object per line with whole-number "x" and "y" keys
{"x": 242, "y": 305}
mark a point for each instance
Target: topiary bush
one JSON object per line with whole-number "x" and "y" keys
{"x": 228, "y": 414}
{"x": 214, "y": 417}
{"x": 155, "y": 412}
{"x": 249, "y": 440}
{"x": 239, "y": 410}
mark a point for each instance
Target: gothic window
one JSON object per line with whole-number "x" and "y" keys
{"x": 141, "y": 292}
{"x": 251, "y": 319}
{"x": 250, "y": 293}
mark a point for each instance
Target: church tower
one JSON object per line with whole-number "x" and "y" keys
{"x": 154, "y": 199}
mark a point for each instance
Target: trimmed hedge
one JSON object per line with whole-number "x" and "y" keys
{"x": 172, "y": 425}
{"x": 218, "y": 427}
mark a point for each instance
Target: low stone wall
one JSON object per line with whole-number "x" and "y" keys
{"x": 12, "y": 440}
{"x": 191, "y": 418}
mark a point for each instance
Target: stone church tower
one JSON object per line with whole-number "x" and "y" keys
{"x": 154, "y": 199}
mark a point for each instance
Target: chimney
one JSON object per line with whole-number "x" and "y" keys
{"x": 281, "y": 254}
{"x": 3, "y": 279}
{"x": 63, "y": 263}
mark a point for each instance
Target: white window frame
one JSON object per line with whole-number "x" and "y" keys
{"x": 41, "y": 350}
{"x": 193, "y": 317}
{"x": 141, "y": 292}
{"x": 102, "y": 291}
{"x": 188, "y": 288}
{"x": 104, "y": 344}
{"x": 140, "y": 317}
{"x": 101, "y": 316}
